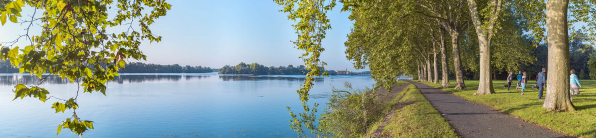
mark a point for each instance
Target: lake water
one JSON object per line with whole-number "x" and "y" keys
{"x": 168, "y": 105}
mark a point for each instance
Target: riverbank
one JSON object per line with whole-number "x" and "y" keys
{"x": 412, "y": 116}
{"x": 581, "y": 123}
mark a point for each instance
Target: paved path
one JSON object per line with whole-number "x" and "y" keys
{"x": 472, "y": 120}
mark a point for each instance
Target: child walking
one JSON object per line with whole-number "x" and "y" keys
{"x": 509, "y": 78}
{"x": 574, "y": 83}
{"x": 524, "y": 80}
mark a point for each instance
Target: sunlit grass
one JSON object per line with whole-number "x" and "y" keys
{"x": 580, "y": 123}
{"x": 416, "y": 118}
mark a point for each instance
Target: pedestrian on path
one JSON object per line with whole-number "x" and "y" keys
{"x": 524, "y": 81}
{"x": 541, "y": 82}
{"x": 519, "y": 78}
{"x": 574, "y": 81}
{"x": 509, "y": 78}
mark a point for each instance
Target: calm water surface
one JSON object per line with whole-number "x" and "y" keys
{"x": 158, "y": 105}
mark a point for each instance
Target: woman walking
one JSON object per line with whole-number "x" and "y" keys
{"x": 574, "y": 81}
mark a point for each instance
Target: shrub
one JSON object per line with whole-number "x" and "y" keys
{"x": 350, "y": 112}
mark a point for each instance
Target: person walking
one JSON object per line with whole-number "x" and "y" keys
{"x": 524, "y": 81}
{"x": 574, "y": 82}
{"x": 509, "y": 78}
{"x": 536, "y": 79}
{"x": 541, "y": 82}
{"x": 519, "y": 75}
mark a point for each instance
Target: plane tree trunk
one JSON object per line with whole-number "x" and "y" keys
{"x": 419, "y": 73}
{"x": 436, "y": 79}
{"x": 428, "y": 71}
{"x": 557, "y": 89}
{"x": 459, "y": 76}
{"x": 485, "y": 84}
{"x": 444, "y": 64}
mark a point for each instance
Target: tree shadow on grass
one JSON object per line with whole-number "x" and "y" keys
{"x": 585, "y": 107}
{"x": 506, "y": 92}
{"x": 523, "y": 106}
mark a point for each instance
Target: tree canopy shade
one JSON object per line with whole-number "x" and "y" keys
{"x": 74, "y": 44}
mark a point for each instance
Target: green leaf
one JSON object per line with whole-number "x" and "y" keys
{"x": 59, "y": 129}
{"x": 14, "y": 11}
{"x": 88, "y": 72}
{"x": 60, "y": 107}
{"x": 3, "y": 19}
{"x": 13, "y": 18}
{"x": 20, "y": 91}
{"x": 121, "y": 63}
{"x": 58, "y": 40}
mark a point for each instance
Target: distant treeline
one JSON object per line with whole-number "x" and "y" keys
{"x": 6, "y": 67}
{"x": 138, "y": 67}
{"x": 258, "y": 69}
{"x": 135, "y": 67}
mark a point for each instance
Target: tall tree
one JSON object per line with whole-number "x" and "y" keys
{"x": 444, "y": 63}
{"x": 435, "y": 65}
{"x": 557, "y": 20}
{"x": 75, "y": 44}
{"x": 484, "y": 25}
{"x": 453, "y": 16}
{"x": 557, "y": 97}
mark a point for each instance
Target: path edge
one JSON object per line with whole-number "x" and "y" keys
{"x": 511, "y": 115}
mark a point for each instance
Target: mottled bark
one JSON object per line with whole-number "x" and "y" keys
{"x": 444, "y": 64}
{"x": 557, "y": 89}
{"x": 423, "y": 71}
{"x": 419, "y": 73}
{"x": 435, "y": 65}
{"x": 485, "y": 84}
{"x": 429, "y": 71}
{"x": 459, "y": 76}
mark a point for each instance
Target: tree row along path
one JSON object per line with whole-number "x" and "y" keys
{"x": 475, "y": 120}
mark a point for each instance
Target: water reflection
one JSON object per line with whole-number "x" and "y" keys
{"x": 265, "y": 77}
{"x": 150, "y": 78}
{"x": 13, "y": 79}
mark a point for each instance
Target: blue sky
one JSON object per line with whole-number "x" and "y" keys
{"x": 218, "y": 33}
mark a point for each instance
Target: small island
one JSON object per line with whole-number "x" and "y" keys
{"x": 258, "y": 69}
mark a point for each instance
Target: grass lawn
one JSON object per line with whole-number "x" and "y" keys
{"x": 579, "y": 123}
{"x": 417, "y": 118}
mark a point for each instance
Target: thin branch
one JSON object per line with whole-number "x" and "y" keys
{"x": 436, "y": 17}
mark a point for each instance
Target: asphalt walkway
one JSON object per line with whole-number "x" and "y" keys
{"x": 471, "y": 120}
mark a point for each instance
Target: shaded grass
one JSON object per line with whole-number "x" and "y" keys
{"x": 417, "y": 118}
{"x": 527, "y": 107}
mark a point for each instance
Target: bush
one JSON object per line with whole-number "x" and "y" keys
{"x": 350, "y": 112}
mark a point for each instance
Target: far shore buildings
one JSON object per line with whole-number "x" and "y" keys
{"x": 344, "y": 72}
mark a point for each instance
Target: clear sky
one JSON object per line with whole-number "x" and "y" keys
{"x": 217, "y": 33}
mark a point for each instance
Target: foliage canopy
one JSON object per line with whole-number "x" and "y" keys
{"x": 74, "y": 43}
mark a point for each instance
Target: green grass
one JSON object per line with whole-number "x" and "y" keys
{"x": 579, "y": 123}
{"x": 389, "y": 105}
{"x": 416, "y": 118}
